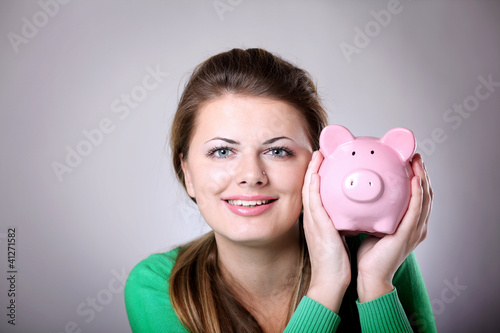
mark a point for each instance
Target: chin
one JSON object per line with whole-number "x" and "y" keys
{"x": 260, "y": 236}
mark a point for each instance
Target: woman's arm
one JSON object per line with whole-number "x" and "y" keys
{"x": 312, "y": 317}
{"x": 405, "y": 309}
{"x": 330, "y": 265}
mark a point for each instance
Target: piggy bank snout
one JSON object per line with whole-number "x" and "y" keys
{"x": 363, "y": 186}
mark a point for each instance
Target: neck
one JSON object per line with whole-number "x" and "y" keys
{"x": 261, "y": 272}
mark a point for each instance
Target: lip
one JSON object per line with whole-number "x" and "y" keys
{"x": 249, "y": 211}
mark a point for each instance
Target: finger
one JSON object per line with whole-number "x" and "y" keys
{"x": 428, "y": 187}
{"x": 313, "y": 167}
{"x": 315, "y": 163}
{"x": 410, "y": 221}
{"x": 318, "y": 213}
{"x": 324, "y": 239}
{"x": 420, "y": 170}
{"x": 427, "y": 205}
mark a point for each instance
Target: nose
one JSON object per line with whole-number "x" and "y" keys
{"x": 363, "y": 186}
{"x": 250, "y": 172}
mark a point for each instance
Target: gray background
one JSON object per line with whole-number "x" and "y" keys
{"x": 122, "y": 203}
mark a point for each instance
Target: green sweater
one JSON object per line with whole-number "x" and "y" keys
{"x": 405, "y": 309}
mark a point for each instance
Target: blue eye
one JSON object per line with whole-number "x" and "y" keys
{"x": 280, "y": 152}
{"x": 220, "y": 152}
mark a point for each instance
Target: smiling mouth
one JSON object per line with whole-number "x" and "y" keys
{"x": 249, "y": 203}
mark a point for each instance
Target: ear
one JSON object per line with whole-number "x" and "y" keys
{"x": 331, "y": 137}
{"x": 401, "y": 140}
{"x": 187, "y": 177}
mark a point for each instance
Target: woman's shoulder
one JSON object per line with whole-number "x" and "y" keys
{"x": 155, "y": 268}
{"x": 147, "y": 300}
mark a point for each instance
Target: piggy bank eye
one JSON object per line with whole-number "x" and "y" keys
{"x": 373, "y": 152}
{"x": 353, "y": 153}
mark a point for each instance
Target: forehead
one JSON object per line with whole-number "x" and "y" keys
{"x": 253, "y": 117}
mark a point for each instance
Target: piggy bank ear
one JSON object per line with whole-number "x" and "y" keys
{"x": 402, "y": 140}
{"x": 333, "y": 136}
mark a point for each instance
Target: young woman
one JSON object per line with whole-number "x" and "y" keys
{"x": 245, "y": 147}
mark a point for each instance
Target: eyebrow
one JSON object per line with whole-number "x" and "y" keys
{"x": 234, "y": 142}
{"x": 224, "y": 139}
{"x": 273, "y": 140}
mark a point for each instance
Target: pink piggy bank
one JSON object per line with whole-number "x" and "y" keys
{"x": 366, "y": 182}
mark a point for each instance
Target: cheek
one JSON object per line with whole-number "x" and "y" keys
{"x": 210, "y": 180}
{"x": 291, "y": 179}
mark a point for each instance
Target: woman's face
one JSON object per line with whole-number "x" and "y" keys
{"x": 246, "y": 165}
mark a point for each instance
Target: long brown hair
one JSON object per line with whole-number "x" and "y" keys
{"x": 202, "y": 300}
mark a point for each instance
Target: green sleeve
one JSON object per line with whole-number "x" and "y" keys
{"x": 146, "y": 296}
{"x": 406, "y": 309}
{"x": 383, "y": 314}
{"x": 311, "y": 316}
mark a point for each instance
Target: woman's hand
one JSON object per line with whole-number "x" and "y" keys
{"x": 330, "y": 267}
{"x": 379, "y": 258}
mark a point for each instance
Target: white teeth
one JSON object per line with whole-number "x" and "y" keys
{"x": 247, "y": 203}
